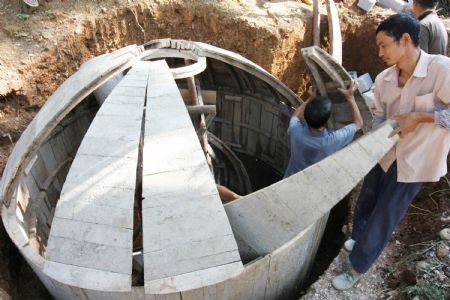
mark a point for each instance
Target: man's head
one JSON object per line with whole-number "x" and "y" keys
{"x": 317, "y": 112}
{"x": 396, "y": 35}
{"x": 426, "y": 4}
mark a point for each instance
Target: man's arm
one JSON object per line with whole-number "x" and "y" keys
{"x": 356, "y": 114}
{"x": 442, "y": 118}
{"x": 409, "y": 121}
{"x": 300, "y": 111}
{"x": 424, "y": 38}
{"x": 379, "y": 114}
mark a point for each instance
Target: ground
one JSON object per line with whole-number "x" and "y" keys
{"x": 39, "y": 51}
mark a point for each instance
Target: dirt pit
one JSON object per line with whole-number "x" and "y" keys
{"x": 39, "y": 51}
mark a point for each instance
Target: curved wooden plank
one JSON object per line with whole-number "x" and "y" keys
{"x": 316, "y": 23}
{"x": 334, "y": 29}
{"x": 202, "y": 49}
{"x": 322, "y": 65}
{"x": 326, "y": 66}
{"x": 243, "y": 178}
{"x": 181, "y": 72}
{"x": 272, "y": 216}
{"x": 317, "y": 79}
{"x": 188, "y": 242}
{"x": 89, "y": 77}
{"x": 93, "y": 223}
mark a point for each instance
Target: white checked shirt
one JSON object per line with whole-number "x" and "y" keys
{"x": 421, "y": 155}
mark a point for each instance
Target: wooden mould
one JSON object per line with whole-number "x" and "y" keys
{"x": 120, "y": 131}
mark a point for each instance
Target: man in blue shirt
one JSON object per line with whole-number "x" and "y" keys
{"x": 309, "y": 139}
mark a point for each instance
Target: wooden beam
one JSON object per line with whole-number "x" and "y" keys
{"x": 201, "y": 109}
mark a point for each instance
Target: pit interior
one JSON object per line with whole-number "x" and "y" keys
{"x": 259, "y": 144}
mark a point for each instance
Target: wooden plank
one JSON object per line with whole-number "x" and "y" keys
{"x": 327, "y": 67}
{"x": 85, "y": 254}
{"x": 250, "y": 284}
{"x": 172, "y": 296}
{"x": 341, "y": 115}
{"x": 70, "y": 139}
{"x": 255, "y": 122}
{"x": 287, "y": 264}
{"x": 162, "y": 156}
{"x": 87, "y": 277}
{"x": 160, "y": 257}
{"x": 280, "y": 214}
{"x": 101, "y": 146}
{"x": 188, "y": 242}
{"x": 106, "y": 171}
{"x": 112, "y": 210}
{"x": 201, "y": 109}
{"x": 334, "y": 29}
{"x": 66, "y": 97}
{"x": 118, "y": 109}
{"x": 63, "y": 291}
{"x": 39, "y": 172}
{"x": 242, "y": 63}
{"x": 237, "y": 113}
{"x": 196, "y": 279}
{"x": 315, "y": 72}
{"x": 92, "y": 232}
{"x": 48, "y": 158}
{"x": 197, "y": 294}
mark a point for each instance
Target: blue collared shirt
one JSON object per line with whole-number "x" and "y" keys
{"x": 308, "y": 148}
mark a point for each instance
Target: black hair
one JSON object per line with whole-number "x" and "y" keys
{"x": 427, "y": 3}
{"x": 317, "y": 112}
{"x": 398, "y": 24}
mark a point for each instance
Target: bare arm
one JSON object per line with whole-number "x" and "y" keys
{"x": 356, "y": 114}
{"x": 408, "y": 122}
{"x": 300, "y": 111}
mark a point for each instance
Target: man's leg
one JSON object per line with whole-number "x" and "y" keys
{"x": 226, "y": 195}
{"x": 366, "y": 201}
{"x": 391, "y": 205}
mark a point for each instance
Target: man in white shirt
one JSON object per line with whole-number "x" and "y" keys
{"x": 433, "y": 36}
{"x": 415, "y": 91}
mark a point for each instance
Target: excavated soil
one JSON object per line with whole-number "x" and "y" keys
{"x": 39, "y": 51}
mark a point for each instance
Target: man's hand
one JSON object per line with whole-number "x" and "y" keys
{"x": 348, "y": 93}
{"x": 408, "y": 122}
{"x": 356, "y": 114}
{"x": 312, "y": 92}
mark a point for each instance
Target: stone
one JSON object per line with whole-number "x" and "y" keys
{"x": 393, "y": 294}
{"x": 440, "y": 275}
{"x": 422, "y": 266}
{"x": 445, "y": 217}
{"x": 445, "y": 234}
{"x": 366, "y": 4}
{"x": 442, "y": 251}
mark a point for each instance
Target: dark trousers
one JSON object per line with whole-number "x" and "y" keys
{"x": 382, "y": 203}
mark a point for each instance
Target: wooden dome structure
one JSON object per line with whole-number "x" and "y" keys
{"x": 110, "y": 193}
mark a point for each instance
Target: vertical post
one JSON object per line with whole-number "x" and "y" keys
{"x": 199, "y": 121}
